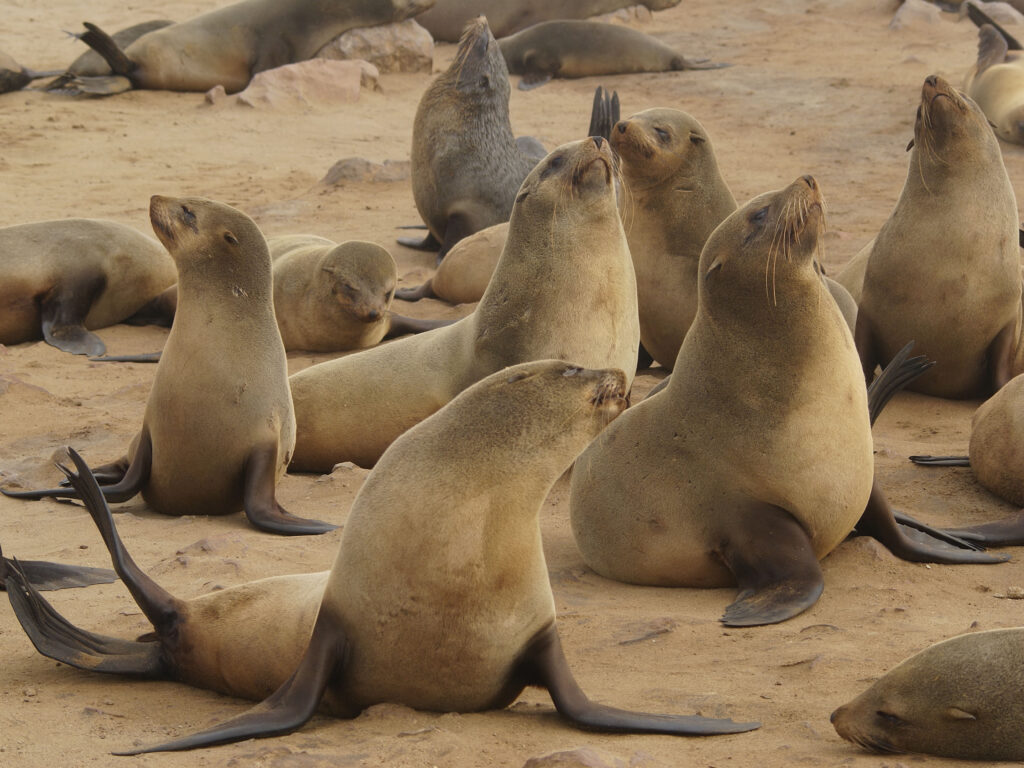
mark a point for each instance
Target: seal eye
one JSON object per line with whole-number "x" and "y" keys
{"x": 890, "y": 719}
{"x": 554, "y": 164}
{"x": 572, "y": 370}
{"x": 517, "y": 377}
{"x": 760, "y": 216}
{"x": 662, "y": 135}
{"x": 522, "y": 196}
{"x": 231, "y": 238}
{"x": 485, "y": 81}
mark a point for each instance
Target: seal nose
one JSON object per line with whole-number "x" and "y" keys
{"x": 621, "y": 126}
{"x": 809, "y": 181}
{"x": 931, "y": 81}
{"x": 832, "y": 717}
{"x": 598, "y": 141}
{"x": 372, "y": 315}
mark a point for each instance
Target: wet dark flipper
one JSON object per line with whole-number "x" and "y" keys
{"x": 108, "y": 48}
{"x": 425, "y": 291}
{"x": 261, "y": 506}
{"x": 604, "y": 113}
{"x": 401, "y": 325}
{"x": 775, "y": 568}
{"x": 289, "y": 707}
{"x": 428, "y": 243}
{"x": 941, "y": 461}
{"x": 543, "y": 663}
{"x": 63, "y": 311}
{"x": 46, "y": 576}
{"x": 900, "y": 371}
{"x": 145, "y": 357}
{"x": 106, "y": 474}
{"x": 924, "y": 532}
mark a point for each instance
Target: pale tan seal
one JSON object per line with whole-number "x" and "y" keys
{"x": 674, "y": 196}
{"x": 564, "y": 288}
{"x": 63, "y": 277}
{"x": 572, "y": 48}
{"x": 228, "y": 45}
{"x": 996, "y": 83}
{"x": 756, "y": 459}
{"x": 459, "y": 617}
{"x": 463, "y": 274}
{"x": 944, "y": 270}
{"x": 959, "y": 698}
{"x": 219, "y": 427}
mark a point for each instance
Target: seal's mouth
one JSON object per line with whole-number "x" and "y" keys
{"x": 804, "y": 210}
{"x": 610, "y": 395}
{"x": 628, "y": 139}
{"x": 160, "y": 218}
{"x": 603, "y": 155}
{"x": 846, "y": 725}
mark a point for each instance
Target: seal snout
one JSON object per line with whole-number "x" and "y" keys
{"x": 159, "y": 217}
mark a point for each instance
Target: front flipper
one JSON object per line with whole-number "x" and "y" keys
{"x": 401, "y": 325}
{"x": 261, "y": 505}
{"x": 425, "y": 291}
{"x": 63, "y": 311}
{"x": 92, "y": 85}
{"x": 145, "y": 357}
{"x": 879, "y": 522}
{"x": 941, "y": 461}
{"x": 428, "y": 243}
{"x": 775, "y": 567}
{"x": 286, "y": 709}
{"x": 46, "y": 576}
{"x": 543, "y": 664}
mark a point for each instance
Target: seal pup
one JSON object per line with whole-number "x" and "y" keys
{"x": 564, "y": 288}
{"x": 219, "y": 427}
{"x": 458, "y": 618}
{"x": 14, "y": 77}
{"x": 755, "y": 460}
{"x": 996, "y": 83}
{"x": 953, "y": 284}
{"x": 63, "y": 278}
{"x": 587, "y": 48}
{"x": 228, "y": 45}
{"x": 466, "y": 163}
{"x": 959, "y": 698}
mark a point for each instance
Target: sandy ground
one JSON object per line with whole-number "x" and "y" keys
{"x": 815, "y": 87}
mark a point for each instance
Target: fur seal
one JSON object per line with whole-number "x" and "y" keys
{"x": 951, "y": 284}
{"x": 458, "y": 618}
{"x": 587, "y": 48}
{"x": 65, "y": 276}
{"x": 674, "y": 196}
{"x": 762, "y": 434}
{"x": 463, "y": 274}
{"x": 219, "y": 426}
{"x": 14, "y": 77}
{"x": 996, "y": 83}
{"x": 466, "y": 163}
{"x": 959, "y": 698}
{"x": 352, "y": 408}
{"x": 228, "y": 45}
{"x": 446, "y": 20}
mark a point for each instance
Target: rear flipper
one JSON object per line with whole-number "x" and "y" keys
{"x": 108, "y": 48}
{"x": 50, "y": 576}
{"x": 145, "y": 357}
{"x": 260, "y": 503}
{"x": 941, "y": 461}
{"x": 93, "y": 85}
{"x": 900, "y": 371}
{"x": 604, "y": 113}
{"x": 682, "y": 63}
{"x": 401, "y": 325}
{"x": 543, "y": 664}
{"x": 428, "y": 243}
{"x": 63, "y": 311}
{"x": 425, "y": 291}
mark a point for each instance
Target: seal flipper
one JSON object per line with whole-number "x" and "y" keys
{"x": 63, "y": 311}
{"x": 941, "y": 461}
{"x": 46, "y": 576}
{"x": 108, "y": 48}
{"x": 286, "y": 709}
{"x": 261, "y": 506}
{"x": 533, "y": 79}
{"x": 543, "y": 664}
{"x": 992, "y": 48}
{"x": 401, "y": 325}
{"x": 425, "y": 291}
{"x": 900, "y": 371}
{"x": 980, "y": 18}
{"x": 428, "y": 243}
{"x": 604, "y": 113}
{"x": 775, "y": 567}
{"x": 145, "y": 357}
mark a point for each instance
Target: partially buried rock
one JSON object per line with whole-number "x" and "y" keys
{"x": 361, "y": 169}
{"x": 313, "y": 83}
{"x": 403, "y": 47}
{"x": 582, "y": 757}
{"x": 915, "y": 13}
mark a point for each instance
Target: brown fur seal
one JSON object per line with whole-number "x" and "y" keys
{"x": 446, "y": 20}
{"x": 756, "y": 459}
{"x": 228, "y": 45}
{"x": 587, "y": 48}
{"x": 62, "y": 277}
{"x": 91, "y": 64}
{"x": 219, "y": 426}
{"x": 463, "y": 274}
{"x": 458, "y": 618}
{"x": 466, "y": 164}
{"x": 949, "y": 282}
{"x": 564, "y": 288}
{"x": 959, "y": 698}
{"x": 674, "y": 197}
{"x": 996, "y": 83}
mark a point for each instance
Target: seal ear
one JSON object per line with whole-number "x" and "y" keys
{"x": 958, "y": 714}
{"x": 992, "y": 48}
{"x": 231, "y": 238}
{"x": 910, "y": 145}
{"x": 696, "y": 138}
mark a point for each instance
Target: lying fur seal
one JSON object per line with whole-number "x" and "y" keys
{"x": 14, "y": 77}
{"x": 459, "y": 617}
{"x": 959, "y": 698}
{"x": 996, "y": 83}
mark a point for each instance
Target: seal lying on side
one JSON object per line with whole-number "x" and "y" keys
{"x": 587, "y": 48}
{"x": 219, "y": 425}
{"x": 466, "y": 164}
{"x": 945, "y": 268}
{"x": 459, "y": 617}
{"x": 756, "y": 459}
{"x": 959, "y": 698}
{"x": 564, "y": 288}
{"x": 996, "y": 83}
{"x": 14, "y": 77}
{"x": 91, "y": 64}
{"x": 229, "y": 45}
{"x": 62, "y": 277}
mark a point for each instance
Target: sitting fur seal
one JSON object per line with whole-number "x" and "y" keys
{"x": 466, "y": 164}
{"x": 63, "y": 277}
{"x": 950, "y": 283}
{"x": 219, "y": 426}
{"x": 564, "y": 288}
{"x": 228, "y": 45}
{"x": 959, "y": 698}
{"x": 996, "y": 83}
{"x": 756, "y": 459}
{"x": 459, "y": 617}
{"x": 587, "y": 48}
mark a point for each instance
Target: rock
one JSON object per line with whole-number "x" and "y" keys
{"x": 633, "y": 14}
{"x": 581, "y": 757}
{"x": 402, "y": 47}
{"x": 305, "y": 84}
{"x": 914, "y": 13}
{"x": 361, "y": 169}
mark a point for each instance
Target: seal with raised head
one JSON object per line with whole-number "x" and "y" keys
{"x": 564, "y": 288}
{"x": 219, "y": 427}
{"x": 959, "y": 698}
{"x": 228, "y": 45}
{"x": 756, "y": 459}
{"x": 458, "y": 618}
{"x": 466, "y": 163}
{"x": 587, "y": 48}
{"x": 66, "y": 276}
{"x": 996, "y": 83}
{"x": 945, "y": 268}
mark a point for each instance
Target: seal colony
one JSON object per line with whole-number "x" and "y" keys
{"x": 458, "y": 618}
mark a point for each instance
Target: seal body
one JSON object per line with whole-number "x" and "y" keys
{"x": 463, "y": 274}
{"x": 944, "y": 271}
{"x": 997, "y": 442}
{"x": 763, "y": 427}
{"x": 674, "y": 197}
{"x": 352, "y": 408}
{"x": 959, "y": 698}
{"x": 63, "y": 277}
{"x": 996, "y": 83}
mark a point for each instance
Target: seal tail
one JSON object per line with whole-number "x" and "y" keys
{"x": 900, "y": 371}
{"x": 106, "y": 47}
